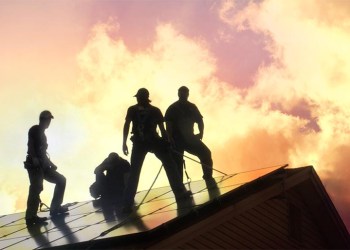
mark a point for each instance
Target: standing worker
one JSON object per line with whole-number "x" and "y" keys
{"x": 145, "y": 119}
{"x": 40, "y": 167}
{"x": 180, "y": 118}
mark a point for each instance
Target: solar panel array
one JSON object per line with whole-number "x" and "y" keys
{"x": 87, "y": 222}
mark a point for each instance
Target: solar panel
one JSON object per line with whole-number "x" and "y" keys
{"x": 87, "y": 222}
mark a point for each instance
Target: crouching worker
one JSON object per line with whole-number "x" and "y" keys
{"x": 110, "y": 180}
{"x": 40, "y": 168}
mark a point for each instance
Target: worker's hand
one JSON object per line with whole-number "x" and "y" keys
{"x": 199, "y": 136}
{"x": 125, "y": 149}
{"x": 53, "y": 167}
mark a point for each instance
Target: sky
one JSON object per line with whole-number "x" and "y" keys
{"x": 270, "y": 77}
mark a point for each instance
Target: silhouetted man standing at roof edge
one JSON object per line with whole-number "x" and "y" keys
{"x": 40, "y": 167}
{"x": 180, "y": 118}
{"x": 145, "y": 118}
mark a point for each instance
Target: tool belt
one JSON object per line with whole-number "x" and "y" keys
{"x": 145, "y": 139}
{"x": 28, "y": 164}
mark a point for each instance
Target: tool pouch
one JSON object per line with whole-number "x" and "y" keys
{"x": 28, "y": 164}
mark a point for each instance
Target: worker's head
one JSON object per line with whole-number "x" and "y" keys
{"x": 183, "y": 93}
{"x": 45, "y": 118}
{"x": 142, "y": 96}
{"x": 113, "y": 156}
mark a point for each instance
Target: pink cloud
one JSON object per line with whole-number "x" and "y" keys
{"x": 268, "y": 76}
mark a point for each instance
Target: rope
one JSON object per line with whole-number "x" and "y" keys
{"x": 188, "y": 178}
{"x": 47, "y": 208}
{"x": 131, "y": 217}
{"x": 104, "y": 233}
{"x": 47, "y": 231}
{"x": 154, "y": 181}
{"x": 123, "y": 221}
{"x": 273, "y": 166}
{"x": 203, "y": 164}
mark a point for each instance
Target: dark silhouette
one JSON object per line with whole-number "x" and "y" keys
{"x": 36, "y": 233}
{"x": 213, "y": 189}
{"x": 110, "y": 179}
{"x": 108, "y": 210}
{"x": 180, "y": 118}
{"x": 61, "y": 225}
{"x": 185, "y": 206}
{"x": 145, "y": 119}
{"x": 40, "y": 167}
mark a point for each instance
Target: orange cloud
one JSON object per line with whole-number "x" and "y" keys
{"x": 310, "y": 70}
{"x": 111, "y": 75}
{"x": 296, "y": 111}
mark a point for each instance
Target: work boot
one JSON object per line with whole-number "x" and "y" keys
{"x": 97, "y": 202}
{"x": 127, "y": 210}
{"x": 35, "y": 220}
{"x": 59, "y": 211}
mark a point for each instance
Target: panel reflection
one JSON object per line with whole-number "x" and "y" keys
{"x": 89, "y": 220}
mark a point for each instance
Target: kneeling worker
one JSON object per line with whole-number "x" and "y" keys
{"x": 110, "y": 179}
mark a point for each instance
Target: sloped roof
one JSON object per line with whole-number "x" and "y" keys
{"x": 89, "y": 226}
{"x": 298, "y": 188}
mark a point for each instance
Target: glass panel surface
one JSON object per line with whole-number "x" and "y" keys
{"x": 86, "y": 221}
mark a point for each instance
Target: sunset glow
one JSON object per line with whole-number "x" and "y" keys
{"x": 270, "y": 77}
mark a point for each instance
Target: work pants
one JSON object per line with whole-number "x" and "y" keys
{"x": 36, "y": 178}
{"x": 194, "y": 146}
{"x": 111, "y": 188}
{"x": 163, "y": 153}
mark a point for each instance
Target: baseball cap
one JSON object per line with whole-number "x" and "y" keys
{"x": 46, "y": 115}
{"x": 142, "y": 92}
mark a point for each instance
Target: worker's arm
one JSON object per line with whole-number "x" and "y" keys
{"x": 169, "y": 130}
{"x": 34, "y": 146}
{"x": 53, "y": 166}
{"x": 200, "y": 128}
{"x": 125, "y": 136}
{"x": 199, "y": 120}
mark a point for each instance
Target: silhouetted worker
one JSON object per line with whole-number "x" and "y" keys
{"x": 145, "y": 119}
{"x": 180, "y": 118}
{"x": 40, "y": 167}
{"x": 110, "y": 178}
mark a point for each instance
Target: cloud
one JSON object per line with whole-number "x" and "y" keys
{"x": 308, "y": 79}
{"x": 110, "y": 75}
{"x": 109, "y": 68}
{"x": 90, "y": 113}
{"x": 295, "y": 111}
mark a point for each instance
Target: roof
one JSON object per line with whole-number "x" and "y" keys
{"x": 158, "y": 216}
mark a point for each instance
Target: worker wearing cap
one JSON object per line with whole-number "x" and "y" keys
{"x": 145, "y": 119}
{"x": 40, "y": 167}
{"x": 180, "y": 118}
